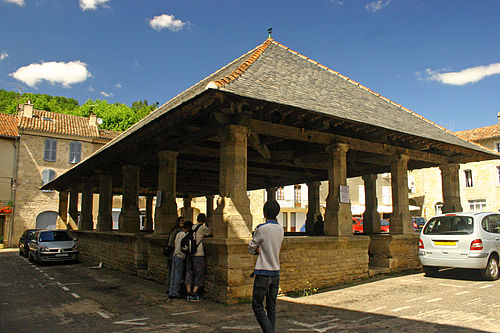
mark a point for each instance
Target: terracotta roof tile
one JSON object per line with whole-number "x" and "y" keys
{"x": 481, "y": 133}
{"x": 8, "y": 125}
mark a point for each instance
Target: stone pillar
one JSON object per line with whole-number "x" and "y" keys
{"x": 313, "y": 209}
{"x": 451, "y": 188}
{"x": 338, "y": 216}
{"x": 371, "y": 216}
{"x": 210, "y": 208}
{"x": 148, "y": 222}
{"x": 400, "y": 218}
{"x": 166, "y": 207}
{"x": 271, "y": 193}
{"x": 86, "y": 219}
{"x": 105, "y": 218}
{"x": 73, "y": 210}
{"x": 187, "y": 210}
{"x": 129, "y": 215}
{"x": 62, "y": 219}
{"x": 233, "y": 218}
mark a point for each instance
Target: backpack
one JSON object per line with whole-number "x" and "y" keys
{"x": 188, "y": 242}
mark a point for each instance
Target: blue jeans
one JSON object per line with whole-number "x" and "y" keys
{"x": 176, "y": 275}
{"x": 265, "y": 287}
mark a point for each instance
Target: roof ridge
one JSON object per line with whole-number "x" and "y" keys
{"x": 242, "y": 68}
{"x": 362, "y": 86}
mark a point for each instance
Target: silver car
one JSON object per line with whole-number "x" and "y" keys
{"x": 461, "y": 240}
{"x": 53, "y": 245}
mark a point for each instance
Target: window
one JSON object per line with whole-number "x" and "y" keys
{"x": 285, "y": 221}
{"x": 477, "y": 205}
{"x": 438, "y": 208}
{"x": 468, "y": 178}
{"x": 280, "y": 193}
{"x": 50, "y": 150}
{"x": 47, "y": 176}
{"x": 498, "y": 175}
{"x": 497, "y": 146}
{"x": 293, "y": 221}
{"x": 361, "y": 194}
{"x": 491, "y": 223}
{"x": 297, "y": 195}
{"x": 75, "y": 152}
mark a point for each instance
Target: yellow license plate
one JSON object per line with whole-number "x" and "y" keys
{"x": 443, "y": 243}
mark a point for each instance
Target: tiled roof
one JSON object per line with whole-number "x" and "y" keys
{"x": 52, "y": 122}
{"x": 8, "y": 125}
{"x": 481, "y": 133}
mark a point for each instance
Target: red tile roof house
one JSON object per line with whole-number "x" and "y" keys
{"x": 43, "y": 145}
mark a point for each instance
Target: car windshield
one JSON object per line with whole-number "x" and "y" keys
{"x": 54, "y": 236}
{"x": 384, "y": 222}
{"x": 445, "y": 225}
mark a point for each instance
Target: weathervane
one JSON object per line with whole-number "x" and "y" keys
{"x": 269, "y": 31}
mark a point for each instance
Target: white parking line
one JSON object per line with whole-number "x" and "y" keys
{"x": 51, "y": 278}
{"x": 462, "y": 292}
{"x": 401, "y": 308}
{"x": 65, "y": 288}
{"x": 474, "y": 300}
{"x": 414, "y": 299}
{"x": 75, "y": 295}
{"x": 182, "y": 313}
{"x": 240, "y": 327}
{"x": 377, "y": 309}
{"x": 434, "y": 300}
{"x": 486, "y": 286}
{"x": 451, "y": 285}
{"x": 102, "y": 314}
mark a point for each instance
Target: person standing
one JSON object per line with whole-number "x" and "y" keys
{"x": 178, "y": 263}
{"x": 319, "y": 226}
{"x": 266, "y": 243}
{"x": 195, "y": 263}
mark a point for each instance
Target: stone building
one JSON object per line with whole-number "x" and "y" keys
{"x": 268, "y": 119}
{"x": 479, "y": 181}
{"x": 48, "y": 144}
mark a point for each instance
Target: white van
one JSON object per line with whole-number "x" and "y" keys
{"x": 461, "y": 240}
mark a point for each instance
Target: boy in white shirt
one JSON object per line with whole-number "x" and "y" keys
{"x": 178, "y": 263}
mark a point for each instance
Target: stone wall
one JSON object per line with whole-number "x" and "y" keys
{"x": 396, "y": 252}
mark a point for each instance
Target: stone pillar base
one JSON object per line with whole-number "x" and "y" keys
{"x": 395, "y": 252}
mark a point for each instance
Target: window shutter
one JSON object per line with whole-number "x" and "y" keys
{"x": 50, "y": 150}
{"x": 75, "y": 152}
{"x": 48, "y": 175}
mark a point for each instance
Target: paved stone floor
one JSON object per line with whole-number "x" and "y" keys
{"x": 78, "y": 298}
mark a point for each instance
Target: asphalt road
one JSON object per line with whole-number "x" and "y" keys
{"x": 78, "y": 298}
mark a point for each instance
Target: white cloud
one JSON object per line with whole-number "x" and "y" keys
{"x": 377, "y": 5}
{"x": 165, "y": 21}
{"x": 16, "y": 2}
{"x": 106, "y": 94}
{"x": 338, "y": 2}
{"x": 466, "y": 76}
{"x": 118, "y": 85}
{"x": 91, "y": 89}
{"x": 65, "y": 73}
{"x": 92, "y": 4}
{"x": 3, "y": 55}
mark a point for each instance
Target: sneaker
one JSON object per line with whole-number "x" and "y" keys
{"x": 195, "y": 297}
{"x": 189, "y": 297}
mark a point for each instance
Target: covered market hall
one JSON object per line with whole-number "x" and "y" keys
{"x": 270, "y": 118}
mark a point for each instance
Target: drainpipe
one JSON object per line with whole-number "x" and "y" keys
{"x": 17, "y": 147}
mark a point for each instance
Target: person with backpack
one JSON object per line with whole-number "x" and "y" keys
{"x": 266, "y": 244}
{"x": 195, "y": 261}
{"x": 178, "y": 267}
{"x": 169, "y": 247}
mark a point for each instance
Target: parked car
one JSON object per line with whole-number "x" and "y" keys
{"x": 53, "y": 245}
{"x": 24, "y": 241}
{"x": 461, "y": 240}
{"x": 357, "y": 226}
{"x": 417, "y": 223}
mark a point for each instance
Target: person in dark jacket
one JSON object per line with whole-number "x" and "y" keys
{"x": 319, "y": 226}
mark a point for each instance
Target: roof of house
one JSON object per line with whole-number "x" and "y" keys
{"x": 8, "y": 125}
{"x": 272, "y": 72}
{"x": 481, "y": 133}
{"x": 60, "y": 123}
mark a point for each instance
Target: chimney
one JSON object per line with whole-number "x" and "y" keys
{"x": 27, "y": 109}
{"x": 93, "y": 120}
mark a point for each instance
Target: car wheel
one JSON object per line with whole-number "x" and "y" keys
{"x": 430, "y": 270}
{"x": 490, "y": 273}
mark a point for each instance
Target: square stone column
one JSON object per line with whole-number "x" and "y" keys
{"x": 400, "y": 218}
{"x": 148, "y": 223}
{"x": 105, "y": 219}
{"x": 86, "y": 219}
{"x": 338, "y": 216}
{"x": 166, "y": 207}
{"x": 62, "y": 219}
{"x": 210, "y": 208}
{"x": 313, "y": 209}
{"x": 73, "y": 210}
{"x": 129, "y": 215}
{"x": 233, "y": 218}
{"x": 451, "y": 188}
{"x": 371, "y": 216}
{"x": 187, "y": 211}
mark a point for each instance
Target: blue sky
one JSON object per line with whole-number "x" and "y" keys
{"x": 440, "y": 58}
